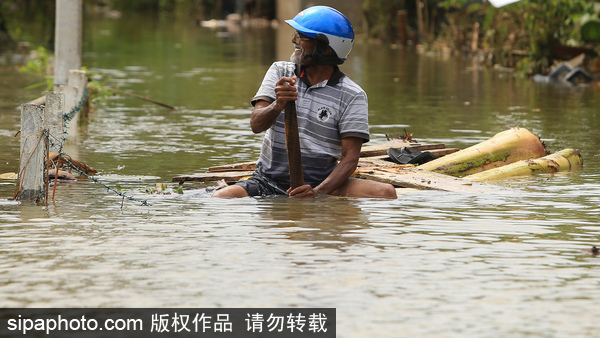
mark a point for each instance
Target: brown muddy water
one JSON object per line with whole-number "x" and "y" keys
{"x": 431, "y": 263}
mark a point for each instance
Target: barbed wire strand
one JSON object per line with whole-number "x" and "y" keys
{"x": 66, "y": 118}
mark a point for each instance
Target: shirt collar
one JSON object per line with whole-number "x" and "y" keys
{"x": 333, "y": 80}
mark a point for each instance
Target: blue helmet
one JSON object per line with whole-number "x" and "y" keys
{"x": 326, "y": 24}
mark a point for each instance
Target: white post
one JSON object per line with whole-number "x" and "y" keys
{"x": 53, "y": 119}
{"x": 77, "y": 80}
{"x": 70, "y": 99}
{"x": 32, "y": 167}
{"x": 286, "y": 9}
{"x": 67, "y": 36}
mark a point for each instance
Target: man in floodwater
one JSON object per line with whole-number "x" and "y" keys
{"x": 332, "y": 115}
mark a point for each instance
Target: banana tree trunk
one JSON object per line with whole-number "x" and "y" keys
{"x": 564, "y": 160}
{"x": 506, "y": 147}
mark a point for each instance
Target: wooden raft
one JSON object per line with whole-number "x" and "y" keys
{"x": 408, "y": 176}
{"x": 374, "y": 165}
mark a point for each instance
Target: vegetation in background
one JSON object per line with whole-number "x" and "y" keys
{"x": 520, "y": 35}
{"x": 380, "y": 18}
{"x": 199, "y": 9}
{"x": 33, "y": 21}
{"x": 202, "y": 8}
{"x": 27, "y": 20}
{"x": 38, "y": 66}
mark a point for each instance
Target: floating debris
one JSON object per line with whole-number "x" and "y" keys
{"x": 406, "y": 137}
{"x": 220, "y": 184}
{"x": 9, "y": 176}
{"x": 61, "y": 175}
{"x": 594, "y": 251}
{"x": 163, "y": 189}
{"x": 55, "y": 159}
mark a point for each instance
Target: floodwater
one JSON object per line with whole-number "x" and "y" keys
{"x": 430, "y": 263}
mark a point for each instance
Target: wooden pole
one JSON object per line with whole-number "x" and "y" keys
{"x": 67, "y": 36}
{"x": 292, "y": 140}
{"x": 420, "y": 21}
{"x": 31, "y": 167}
{"x": 402, "y": 17}
{"x": 475, "y": 38}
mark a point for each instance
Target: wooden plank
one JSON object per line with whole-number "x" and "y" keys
{"x": 436, "y": 149}
{"x": 370, "y": 167}
{"x": 443, "y": 152}
{"x": 245, "y": 166}
{"x": 399, "y": 175}
{"x": 381, "y": 149}
{"x": 378, "y": 161}
{"x": 208, "y": 177}
{"x": 411, "y": 177}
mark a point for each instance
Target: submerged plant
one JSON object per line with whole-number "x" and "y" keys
{"x": 163, "y": 189}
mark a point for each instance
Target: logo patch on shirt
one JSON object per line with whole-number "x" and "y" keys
{"x": 323, "y": 114}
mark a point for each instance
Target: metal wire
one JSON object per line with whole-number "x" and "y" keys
{"x": 66, "y": 118}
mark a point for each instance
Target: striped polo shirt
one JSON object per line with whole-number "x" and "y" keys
{"x": 327, "y": 112}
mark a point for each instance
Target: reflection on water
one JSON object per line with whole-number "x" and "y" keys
{"x": 512, "y": 265}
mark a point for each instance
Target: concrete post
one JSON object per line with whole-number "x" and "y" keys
{"x": 286, "y": 9}
{"x": 53, "y": 118}
{"x": 77, "y": 80}
{"x": 70, "y": 99}
{"x": 68, "y": 35}
{"x": 32, "y": 167}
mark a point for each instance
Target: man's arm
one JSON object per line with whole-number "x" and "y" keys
{"x": 265, "y": 113}
{"x": 351, "y": 147}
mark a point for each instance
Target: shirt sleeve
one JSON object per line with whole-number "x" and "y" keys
{"x": 355, "y": 119}
{"x": 266, "y": 91}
